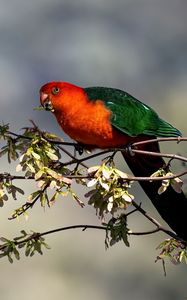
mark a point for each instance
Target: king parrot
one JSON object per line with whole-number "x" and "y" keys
{"x": 104, "y": 117}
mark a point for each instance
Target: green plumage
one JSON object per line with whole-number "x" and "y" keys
{"x": 130, "y": 115}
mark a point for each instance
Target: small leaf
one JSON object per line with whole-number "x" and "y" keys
{"x": 110, "y": 204}
{"x": 41, "y": 184}
{"x": 121, "y": 174}
{"x": 39, "y": 174}
{"x": 28, "y": 248}
{"x": 4, "y": 240}
{"x": 92, "y": 182}
{"x": 53, "y": 174}
{"x": 93, "y": 169}
{"x": 19, "y": 190}
{"x": 106, "y": 173}
{"x": 40, "y": 107}
{"x": 10, "y": 258}
{"x": 35, "y": 155}
{"x": 128, "y": 197}
{"x": 33, "y": 195}
{"x": 52, "y": 156}
{"x": 75, "y": 197}
{"x": 125, "y": 238}
{"x": 19, "y": 168}
{"x": 53, "y": 185}
{"x": 46, "y": 245}
{"x": 66, "y": 180}
{"x": 30, "y": 166}
{"x": 23, "y": 157}
{"x": 104, "y": 185}
{"x": 16, "y": 253}
{"x": 158, "y": 173}
{"x": 162, "y": 189}
{"x": 43, "y": 199}
{"x": 37, "y": 247}
{"x": 177, "y": 184}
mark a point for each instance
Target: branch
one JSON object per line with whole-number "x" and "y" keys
{"x": 130, "y": 178}
{"x": 157, "y": 140}
{"x": 27, "y": 205}
{"x": 37, "y": 235}
{"x": 161, "y": 154}
{"x": 155, "y": 222}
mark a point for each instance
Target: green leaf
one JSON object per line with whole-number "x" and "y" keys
{"x": 10, "y": 258}
{"x": 28, "y": 248}
{"x": 16, "y": 253}
{"x": 36, "y": 155}
{"x": 37, "y": 247}
{"x": 33, "y": 195}
{"x": 52, "y": 156}
{"x": 43, "y": 199}
{"x": 40, "y": 107}
{"x": 39, "y": 174}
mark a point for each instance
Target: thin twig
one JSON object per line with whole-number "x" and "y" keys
{"x": 28, "y": 205}
{"x": 156, "y": 223}
{"x": 168, "y": 139}
{"x": 83, "y": 227}
{"x": 72, "y": 156}
{"x": 168, "y": 155}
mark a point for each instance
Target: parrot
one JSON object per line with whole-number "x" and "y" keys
{"x": 106, "y": 118}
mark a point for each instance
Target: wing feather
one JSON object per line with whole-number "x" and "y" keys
{"x": 130, "y": 115}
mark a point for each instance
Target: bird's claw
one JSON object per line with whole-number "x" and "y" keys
{"x": 79, "y": 148}
{"x": 128, "y": 149}
{"x": 179, "y": 139}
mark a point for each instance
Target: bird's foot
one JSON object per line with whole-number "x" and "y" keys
{"x": 79, "y": 148}
{"x": 128, "y": 149}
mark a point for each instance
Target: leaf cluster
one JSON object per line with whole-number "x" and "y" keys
{"x": 32, "y": 243}
{"x": 116, "y": 231}
{"x": 111, "y": 191}
{"x": 174, "y": 250}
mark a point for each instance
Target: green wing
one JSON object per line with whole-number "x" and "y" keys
{"x": 130, "y": 115}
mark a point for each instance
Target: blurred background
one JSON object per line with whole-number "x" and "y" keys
{"x": 136, "y": 45}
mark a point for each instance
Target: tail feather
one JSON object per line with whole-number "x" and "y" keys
{"x": 167, "y": 130}
{"x": 172, "y": 206}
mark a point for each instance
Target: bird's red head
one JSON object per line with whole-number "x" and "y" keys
{"x": 56, "y": 96}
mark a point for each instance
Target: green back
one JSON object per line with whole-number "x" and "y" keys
{"x": 130, "y": 115}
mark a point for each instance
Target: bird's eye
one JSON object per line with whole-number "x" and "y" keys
{"x": 55, "y": 90}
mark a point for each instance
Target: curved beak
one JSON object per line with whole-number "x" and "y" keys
{"x": 43, "y": 97}
{"x": 46, "y": 102}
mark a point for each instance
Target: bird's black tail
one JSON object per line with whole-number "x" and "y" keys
{"x": 172, "y": 206}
